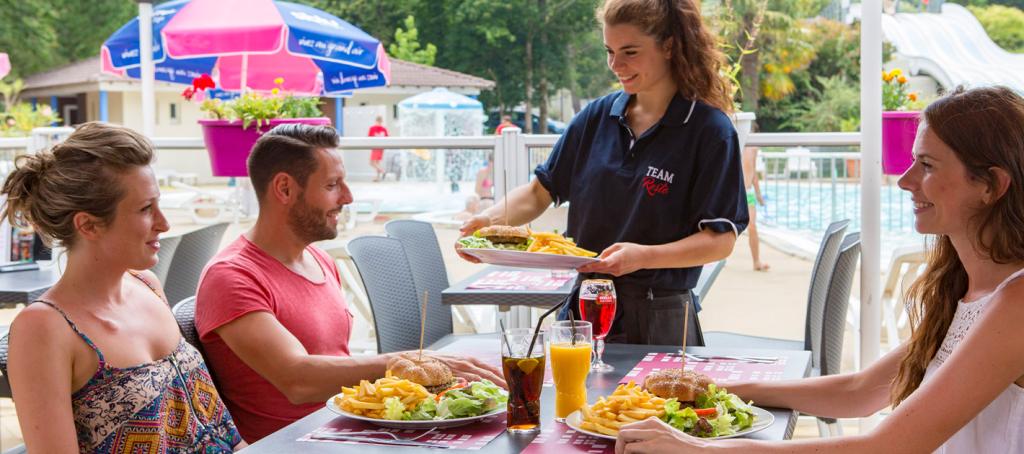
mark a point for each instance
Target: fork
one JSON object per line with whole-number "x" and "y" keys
{"x": 380, "y": 432}
{"x": 746, "y": 359}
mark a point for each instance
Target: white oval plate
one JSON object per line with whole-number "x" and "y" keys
{"x": 431, "y": 424}
{"x": 524, "y": 259}
{"x": 762, "y": 419}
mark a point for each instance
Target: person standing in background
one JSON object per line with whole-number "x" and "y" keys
{"x": 506, "y": 121}
{"x": 752, "y": 183}
{"x": 377, "y": 154}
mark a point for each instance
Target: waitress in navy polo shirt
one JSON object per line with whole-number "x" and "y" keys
{"x": 652, "y": 173}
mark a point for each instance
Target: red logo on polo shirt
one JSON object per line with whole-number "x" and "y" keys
{"x": 657, "y": 181}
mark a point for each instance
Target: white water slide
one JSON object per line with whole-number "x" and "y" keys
{"x": 953, "y": 48}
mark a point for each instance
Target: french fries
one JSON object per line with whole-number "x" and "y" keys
{"x": 554, "y": 243}
{"x": 367, "y": 399}
{"x": 628, "y": 404}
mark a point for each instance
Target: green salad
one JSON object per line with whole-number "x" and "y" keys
{"x": 717, "y": 413}
{"x": 473, "y": 399}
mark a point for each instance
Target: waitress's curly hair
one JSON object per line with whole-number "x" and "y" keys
{"x": 696, "y": 61}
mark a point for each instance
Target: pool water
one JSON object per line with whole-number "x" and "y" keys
{"x": 807, "y": 208}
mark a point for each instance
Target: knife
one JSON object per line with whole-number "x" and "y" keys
{"x": 383, "y": 441}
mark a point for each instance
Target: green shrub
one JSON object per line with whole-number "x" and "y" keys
{"x": 1004, "y": 24}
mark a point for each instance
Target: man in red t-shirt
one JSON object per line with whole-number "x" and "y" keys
{"x": 269, "y": 311}
{"x": 506, "y": 121}
{"x": 377, "y": 154}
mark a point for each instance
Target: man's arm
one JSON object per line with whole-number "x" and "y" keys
{"x": 263, "y": 344}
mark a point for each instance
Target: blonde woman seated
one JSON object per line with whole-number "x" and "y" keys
{"x": 98, "y": 365}
{"x": 958, "y": 384}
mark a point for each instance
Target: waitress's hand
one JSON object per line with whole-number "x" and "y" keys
{"x": 652, "y": 435}
{"x": 471, "y": 225}
{"x": 617, "y": 260}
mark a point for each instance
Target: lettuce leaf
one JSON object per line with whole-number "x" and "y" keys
{"x": 394, "y": 409}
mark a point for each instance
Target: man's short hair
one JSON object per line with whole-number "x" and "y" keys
{"x": 289, "y": 148}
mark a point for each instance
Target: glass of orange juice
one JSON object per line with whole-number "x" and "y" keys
{"x": 570, "y": 348}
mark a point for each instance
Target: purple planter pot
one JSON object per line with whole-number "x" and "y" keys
{"x": 229, "y": 145}
{"x": 898, "y": 132}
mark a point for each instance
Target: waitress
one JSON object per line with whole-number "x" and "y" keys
{"x": 652, "y": 173}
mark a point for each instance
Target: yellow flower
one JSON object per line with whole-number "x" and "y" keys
{"x": 902, "y": 80}
{"x": 912, "y": 96}
{"x": 275, "y": 90}
{"x": 886, "y": 77}
{"x": 279, "y": 81}
{"x": 897, "y": 73}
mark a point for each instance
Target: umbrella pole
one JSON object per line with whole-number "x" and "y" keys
{"x": 147, "y": 69}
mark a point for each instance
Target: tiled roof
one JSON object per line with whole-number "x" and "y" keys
{"x": 402, "y": 73}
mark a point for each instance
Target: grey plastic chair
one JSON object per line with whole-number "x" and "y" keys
{"x": 167, "y": 247}
{"x": 825, "y": 263}
{"x": 5, "y": 384}
{"x": 833, "y": 328}
{"x": 390, "y": 287}
{"x": 185, "y": 314}
{"x": 194, "y": 251}
{"x": 708, "y": 274}
{"x": 428, "y": 271}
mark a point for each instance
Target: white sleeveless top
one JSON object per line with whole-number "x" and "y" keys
{"x": 999, "y": 427}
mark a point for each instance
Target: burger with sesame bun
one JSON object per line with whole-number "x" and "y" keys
{"x": 430, "y": 372}
{"x": 498, "y": 237}
{"x": 683, "y": 385}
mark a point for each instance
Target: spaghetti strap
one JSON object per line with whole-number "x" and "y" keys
{"x": 157, "y": 291}
{"x": 1009, "y": 279}
{"x": 74, "y": 327}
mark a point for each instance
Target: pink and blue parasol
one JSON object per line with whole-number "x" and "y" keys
{"x": 251, "y": 43}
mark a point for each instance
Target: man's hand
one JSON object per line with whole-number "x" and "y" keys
{"x": 472, "y": 369}
{"x": 617, "y": 260}
{"x": 471, "y": 225}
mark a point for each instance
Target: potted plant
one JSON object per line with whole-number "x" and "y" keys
{"x": 899, "y": 123}
{"x": 235, "y": 124}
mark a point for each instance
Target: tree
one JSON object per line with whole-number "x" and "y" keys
{"x": 27, "y": 35}
{"x": 407, "y": 45}
{"x": 376, "y": 17}
{"x": 1004, "y": 24}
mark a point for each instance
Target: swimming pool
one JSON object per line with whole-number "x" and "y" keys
{"x": 807, "y": 207}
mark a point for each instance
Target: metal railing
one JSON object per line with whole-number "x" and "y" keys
{"x": 806, "y": 186}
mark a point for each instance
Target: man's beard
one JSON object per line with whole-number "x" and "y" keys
{"x": 309, "y": 223}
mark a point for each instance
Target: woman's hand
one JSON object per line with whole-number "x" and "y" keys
{"x": 654, "y": 436}
{"x": 472, "y": 369}
{"x": 617, "y": 260}
{"x": 471, "y": 225}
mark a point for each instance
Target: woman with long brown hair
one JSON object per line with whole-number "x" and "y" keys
{"x": 958, "y": 384}
{"x": 652, "y": 172}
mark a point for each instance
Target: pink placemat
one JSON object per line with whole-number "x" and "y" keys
{"x": 718, "y": 369}
{"x": 558, "y": 438}
{"x": 519, "y": 280}
{"x": 471, "y": 436}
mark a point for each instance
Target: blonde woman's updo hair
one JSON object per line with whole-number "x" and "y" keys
{"x": 81, "y": 174}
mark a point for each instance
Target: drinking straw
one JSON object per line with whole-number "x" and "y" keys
{"x": 423, "y": 321}
{"x": 572, "y": 327}
{"x": 686, "y": 324}
{"x": 536, "y": 331}
{"x": 504, "y": 334}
